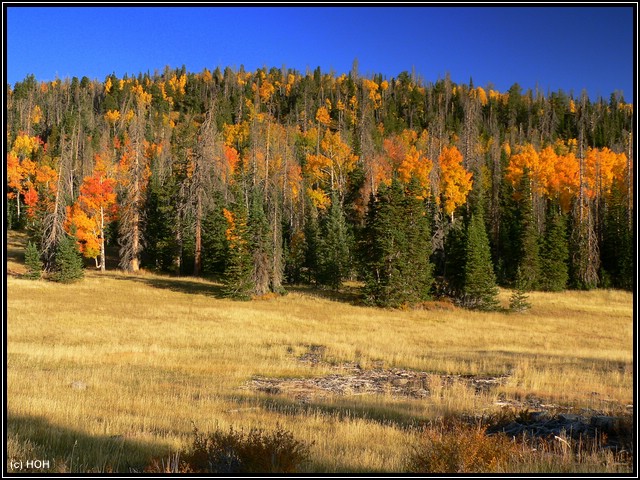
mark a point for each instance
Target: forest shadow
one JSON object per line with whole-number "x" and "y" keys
{"x": 71, "y": 451}
{"x": 282, "y": 405}
{"x": 178, "y": 284}
{"x": 351, "y": 295}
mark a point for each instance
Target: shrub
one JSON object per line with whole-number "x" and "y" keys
{"x": 237, "y": 452}
{"x": 456, "y": 447}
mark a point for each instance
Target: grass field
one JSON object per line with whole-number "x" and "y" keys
{"x": 104, "y": 374}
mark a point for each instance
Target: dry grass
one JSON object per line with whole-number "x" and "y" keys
{"x": 116, "y": 369}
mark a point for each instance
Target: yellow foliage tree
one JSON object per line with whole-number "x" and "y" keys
{"x": 455, "y": 181}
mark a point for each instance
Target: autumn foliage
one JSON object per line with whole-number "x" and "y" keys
{"x": 204, "y": 173}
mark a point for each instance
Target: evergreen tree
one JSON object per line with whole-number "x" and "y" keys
{"x": 480, "y": 291}
{"x": 554, "y": 254}
{"x": 398, "y": 269}
{"x": 384, "y": 242}
{"x": 529, "y": 265}
{"x": 215, "y": 248}
{"x": 617, "y": 246}
{"x": 312, "y": 244}
{"x": 455, "y": 250}
{"x": 585, "y": 258}
{"x": 68, "y": 266}
{"x": 238, "y": 278}
{"x": 261, "y": 247}
{"x": 33, "y": 262}
{"x": 162, "y": 250}
{"x": 334, "y": 247}
{"x": 518, "y": 300}
{"x": 418, "y": 269}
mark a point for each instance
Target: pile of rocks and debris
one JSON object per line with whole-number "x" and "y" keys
{"x": 350, "y": 378}
{"x": 610, "y": 432}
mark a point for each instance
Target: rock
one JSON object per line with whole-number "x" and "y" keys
{"x": 605, "y": 422}
{"x": 570, "y": 418}
{"x": 78, "y": 385}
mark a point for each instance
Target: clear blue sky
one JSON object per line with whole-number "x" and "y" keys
{"x": 568, "y": 48}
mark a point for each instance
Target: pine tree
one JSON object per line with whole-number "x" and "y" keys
{"x": 238, "y": 279}
{"x": 260, "y": 245}
{"x": 617, "y": 249}
{"x": 215, "y": 248}
{"x": 398, "y": 269}
{"x": 68, "y": 265}
{"x": 554, "y": 254}
{"x": 311, "y": 243}
{"x": 417, "y": 268}
{"x": 384, "y": 242}
{"x": 480, "y": 291}
{"x": 334, "y": 247}
{"x": 530, "y": 250}
{"x": 585, "y": 258}
{"x": 518, "y": 300}
{"x": 455, "y": 248}
{"x": 33, "y": 262}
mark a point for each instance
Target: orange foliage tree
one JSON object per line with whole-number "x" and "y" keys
{"x": 405, "y": 156}
{"x": 92, "y": 211}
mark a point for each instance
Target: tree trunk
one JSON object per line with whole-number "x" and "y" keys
{"x": 103, "y": 259}
{"x": 197, "y": 262}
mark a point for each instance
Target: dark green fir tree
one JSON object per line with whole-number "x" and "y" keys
{"x": 311, "y": 244}
{"x": 518, "y": 302}
{"x": 68, "y": 267}
{"x": 480, "y": 290}
{"x": 238, "y": 278}
{"x": 529, "y": 265}
{"x": 334, "y": 259}
{"x": 554, "y": 255}
{"x": 33, "y": 262}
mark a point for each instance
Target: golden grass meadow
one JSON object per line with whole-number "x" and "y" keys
{"x": 104, "y": 374}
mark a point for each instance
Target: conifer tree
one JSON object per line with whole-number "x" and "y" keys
{"x": 530, "y": 251}
{"x": 383, "y": 243}
{"x": 312, "y": 244}
{"x": 33, "y": 262}
{"x": 417, "y": 268}
{"x": 215, "y": 248}
{"x": 238, "y": 279}
{"x": 398, "y": 270}
{"x": 617, "y": 250}
{"x": 455, "y": 251}
{"x": 334, "y": 247}
{"x": 68, "y": 266}
{"x": 480, "y": 291}
{"x": 554, "y": 254}
{"x": 261, "y": 247}
{"x": 518, "y": 301}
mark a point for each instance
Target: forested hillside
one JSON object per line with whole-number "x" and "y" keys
{"x": 275, "y": 176}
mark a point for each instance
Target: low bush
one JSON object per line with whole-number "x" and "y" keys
{"x": 453, "y": 446}
{"x": 237, "y": 452}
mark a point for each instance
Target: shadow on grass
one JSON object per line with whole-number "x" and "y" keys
{"x": 71, "y": 451}
{"x": 178, "y": 284}
{"x": 282, "y": 405}
{"x": 347, "y": 294}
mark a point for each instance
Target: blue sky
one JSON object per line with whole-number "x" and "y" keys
{"x": 568, "y": 48}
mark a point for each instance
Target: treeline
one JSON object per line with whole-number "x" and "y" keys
{"x": 271, "y": 177}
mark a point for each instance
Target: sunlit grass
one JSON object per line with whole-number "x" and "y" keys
{"x": 128, "y": 365}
